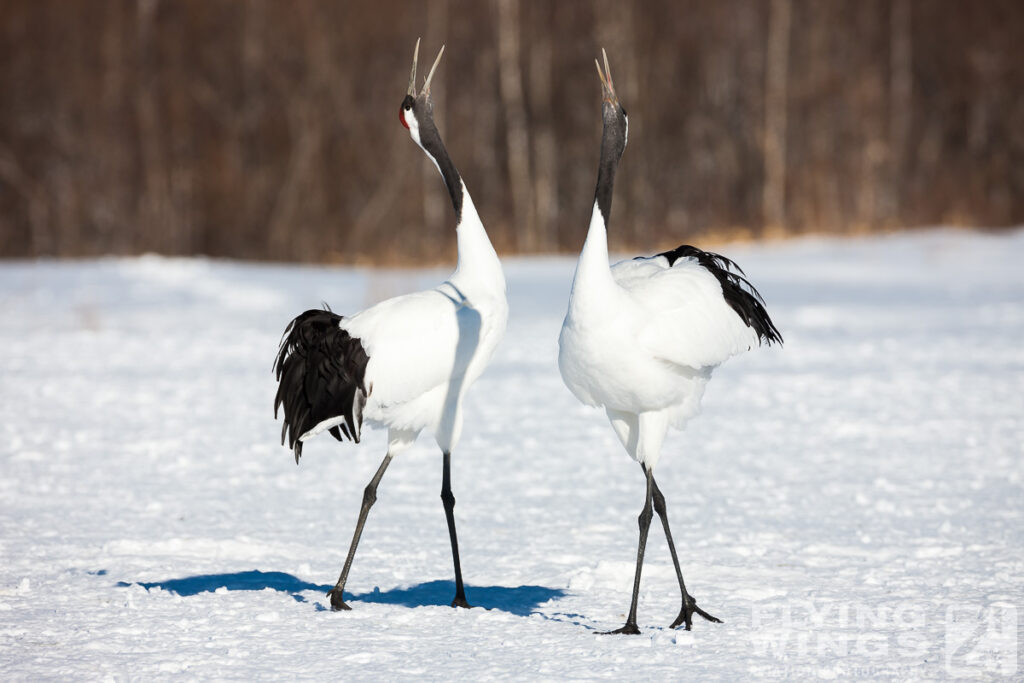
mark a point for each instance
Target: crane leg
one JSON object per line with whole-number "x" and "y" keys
{"x": 448, "y": 499}
{"x": 644, "y": 519}
{"x": 369, "y": 498}
{"x": 689, "y": 604}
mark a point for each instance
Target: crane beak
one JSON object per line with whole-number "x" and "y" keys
{"x": 412, "y": 77}
{"x": 426, "y": 84}
{"x": 607, "y": 88}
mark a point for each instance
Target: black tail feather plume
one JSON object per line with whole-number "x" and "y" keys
{"x": 321, "y": 373}
{"x": 737, "y": 290}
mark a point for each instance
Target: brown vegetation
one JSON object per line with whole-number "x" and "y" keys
{"x": 269, "y": 130}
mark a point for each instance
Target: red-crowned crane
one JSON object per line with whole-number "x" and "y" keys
{"x": 403, "y": 364}
{"x": 642, "y": 337}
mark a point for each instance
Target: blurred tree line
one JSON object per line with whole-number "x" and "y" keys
{"x": 269, "y": 130}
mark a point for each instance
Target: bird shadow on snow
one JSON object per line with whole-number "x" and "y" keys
{"x": 520, "y": 600}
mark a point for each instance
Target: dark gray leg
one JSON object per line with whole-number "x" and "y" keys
{"x": 630, "y": 626}
{"x": 449, "y": 512}
{"x": 689, "y": 604}
{"x": 369, "y": 498}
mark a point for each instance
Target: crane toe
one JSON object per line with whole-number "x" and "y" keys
{"x": 627, "y": 629}
{"x": 687, "y": 612}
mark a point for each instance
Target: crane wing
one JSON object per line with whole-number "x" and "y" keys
{"x": 416, "y": 343}
{"x": 695, "y": 311}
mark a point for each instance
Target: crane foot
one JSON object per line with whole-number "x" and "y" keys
{"x": 460, "y": 601}
{"x": 337, "y": 600}
{"x": 687, "y": 612}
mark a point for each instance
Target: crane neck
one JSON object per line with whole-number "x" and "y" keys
{"x": 605, "y": 181}
{"x": 430, "y": 141}
{"x": 593, "y": 282}
{"x": 593, "y": 285}
{"x": 614, "y": 134}
{"x": 478, "y": 266}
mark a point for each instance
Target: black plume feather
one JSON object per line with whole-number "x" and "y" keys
{"x": 321, "y": 372}
{"x": 737, "y": 290}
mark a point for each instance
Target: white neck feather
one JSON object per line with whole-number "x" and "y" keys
{"x": 478, "y": 265}
{"x": 593, "y": 282}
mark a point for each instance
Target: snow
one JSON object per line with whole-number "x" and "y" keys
{"x": 850, "y": 505}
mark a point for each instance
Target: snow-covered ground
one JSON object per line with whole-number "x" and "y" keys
{"x": 851, "y": 505}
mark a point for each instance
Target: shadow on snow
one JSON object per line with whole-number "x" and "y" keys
{"x": 521, "y": 600}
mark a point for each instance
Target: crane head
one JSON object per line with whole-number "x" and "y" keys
{"x": 616, "y": 122}
{"x": 418, "y": 110}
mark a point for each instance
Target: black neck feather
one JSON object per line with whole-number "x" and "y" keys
{"x": 613, "y": 143}
{"x": 605, "y": 184}
{"x": 431, "y": 141}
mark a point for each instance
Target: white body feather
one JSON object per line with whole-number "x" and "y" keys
{"x": 426, "y": 348}
{"x": 641, "y": 339}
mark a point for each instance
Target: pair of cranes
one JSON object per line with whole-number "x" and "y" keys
{"x": 640, "y": 340}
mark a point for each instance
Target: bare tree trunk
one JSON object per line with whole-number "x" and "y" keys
{"x": 254, "y": 182}
{"x": 900, "y": 104}
{"x": 305, "y": 140}
{"x": 777, "y": 71}
{"x": 545, "y": 150}
{"x": 34, "y": 196}
{"x": 154, "y": 202}
{"x": 484, "y": 113}
{"x": 385, "y": 196}
{"x": 516, "y": 137}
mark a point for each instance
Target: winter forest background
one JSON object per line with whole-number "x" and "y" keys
{"x": 268, "y": 130}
